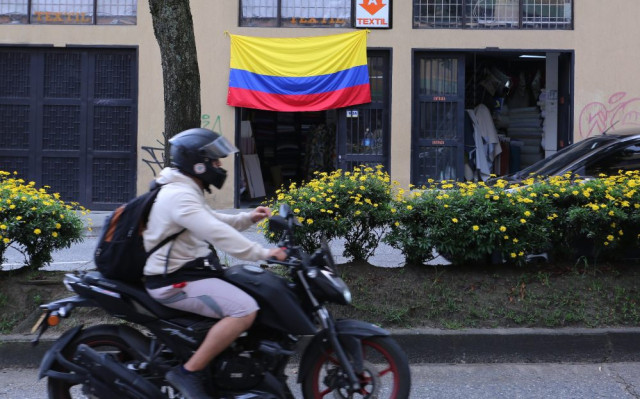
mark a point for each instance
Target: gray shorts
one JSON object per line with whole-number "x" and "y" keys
{"x": 210, "y": 297}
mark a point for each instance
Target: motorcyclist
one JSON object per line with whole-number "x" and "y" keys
{"x": 178, "y": 274}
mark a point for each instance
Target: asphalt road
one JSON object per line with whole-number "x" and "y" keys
{"x": 464, "y": 381}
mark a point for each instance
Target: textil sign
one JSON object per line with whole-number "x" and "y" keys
{"x": 373, "y": 14}
{"x": 299, "y": 74}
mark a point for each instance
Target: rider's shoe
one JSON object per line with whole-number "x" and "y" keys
{"x": 188, "y": 383}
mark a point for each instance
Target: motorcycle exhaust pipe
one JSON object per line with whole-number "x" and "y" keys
{"x": 107, "y": 371}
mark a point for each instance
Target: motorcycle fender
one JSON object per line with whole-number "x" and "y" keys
{"x": 349, "y": 333}
{"x": 50, "y": 356}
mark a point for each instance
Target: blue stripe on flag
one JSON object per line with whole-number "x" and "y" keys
{"x": 357, "y": 75}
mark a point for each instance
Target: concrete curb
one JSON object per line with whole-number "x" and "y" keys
{"x": 443, "y": 346}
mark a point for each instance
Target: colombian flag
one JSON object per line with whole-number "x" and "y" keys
{"x": 299, "y": 74}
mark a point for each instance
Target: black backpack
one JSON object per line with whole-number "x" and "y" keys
{"x": 120, "y": 254}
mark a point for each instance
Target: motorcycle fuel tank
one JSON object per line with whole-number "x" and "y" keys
{"x": 280, "y": 307}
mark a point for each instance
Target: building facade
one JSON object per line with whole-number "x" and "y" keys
{"x": 81, "y": 92}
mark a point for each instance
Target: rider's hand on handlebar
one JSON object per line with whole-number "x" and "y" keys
{"x": 260, "y": 213}
{"x": 278, "y": 253}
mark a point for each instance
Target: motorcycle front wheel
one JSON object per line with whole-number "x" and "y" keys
{"x": 386, "y": 373}
{"x": 101, "y": 338}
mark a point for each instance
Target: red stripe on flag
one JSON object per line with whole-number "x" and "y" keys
{"x": 299, "y": 103}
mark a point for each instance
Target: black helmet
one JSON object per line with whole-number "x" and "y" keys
{"x": 193, "y": 150}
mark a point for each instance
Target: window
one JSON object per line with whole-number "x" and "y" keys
{"x": 69, "y": 12}
{"x": 296, "y": 13}
{"x": 490, "y": 14}
{"x": 624, "y": 159}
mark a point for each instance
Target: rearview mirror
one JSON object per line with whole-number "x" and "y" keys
{"x": 285, "y": 210}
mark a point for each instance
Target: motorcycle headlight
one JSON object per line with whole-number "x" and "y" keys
{"x": 331, "y": 287}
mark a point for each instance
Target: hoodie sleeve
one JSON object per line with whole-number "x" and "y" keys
{"x": 191, "y": 212}
{"x": 240, "y": 221}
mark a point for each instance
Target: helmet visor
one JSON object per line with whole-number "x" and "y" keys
{"x": 218, "y": 148}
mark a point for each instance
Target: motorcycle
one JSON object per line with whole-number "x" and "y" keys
{"x": 343, "y": 358}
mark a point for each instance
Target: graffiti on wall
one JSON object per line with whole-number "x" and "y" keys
{"x": 154, "y": 157}
{"x": 216, "y": 126}
{"x": 621, "y": 111}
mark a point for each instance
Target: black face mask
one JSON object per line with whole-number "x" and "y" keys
{"x": 218, "y": 178}
{"x": 212, "y": 176}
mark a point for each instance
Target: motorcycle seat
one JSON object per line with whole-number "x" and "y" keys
{"x": 138, "y": 292}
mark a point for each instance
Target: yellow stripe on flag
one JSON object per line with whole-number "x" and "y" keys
{"x": 300, "y": 56}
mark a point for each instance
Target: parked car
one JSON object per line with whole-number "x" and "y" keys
{"x": 603, "y": 154}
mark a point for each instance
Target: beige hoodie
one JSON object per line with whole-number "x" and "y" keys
{"x": 181, "y": 205}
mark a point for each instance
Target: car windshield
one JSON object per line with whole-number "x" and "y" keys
{"x": 564, "y": 157}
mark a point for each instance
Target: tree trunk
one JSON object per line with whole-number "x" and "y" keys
{"x": 173, "y": 28}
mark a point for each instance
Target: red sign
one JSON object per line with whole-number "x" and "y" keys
{"x": 372, "y": 6}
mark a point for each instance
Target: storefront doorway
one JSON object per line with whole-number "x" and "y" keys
{"x": 523, "y": 95}
{"x": 280, "y": 148}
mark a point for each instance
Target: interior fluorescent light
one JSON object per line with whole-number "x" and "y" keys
{"x": 532, "y": 56}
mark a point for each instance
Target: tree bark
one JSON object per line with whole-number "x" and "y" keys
{"x": 173, "y": 29}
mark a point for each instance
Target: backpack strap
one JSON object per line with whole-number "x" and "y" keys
{"x": 164, "y": 242}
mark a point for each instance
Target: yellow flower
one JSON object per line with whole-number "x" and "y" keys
{"x": 503, "y": 229}
{"x": 37, "y": 231}
{"x": 523, "y": 221}
{"x": 527, "y": 213}
{"x": 309, "y": 221}
{"x": 55, "y": 234}
{"x": 513, "y": 255}
{"x": 610, "y": 237}
{"x": 476, "y": 228}
{"x": 409, "y": 207}
{"x": 397, "y": 224}
{"x": 454, "y": 220}
{"x": 294, "y": 211}
{"x": 6, "y": 240}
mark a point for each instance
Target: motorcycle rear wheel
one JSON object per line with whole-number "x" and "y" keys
{"x": 102, "y": 338}
{"x": 386, "y": 373}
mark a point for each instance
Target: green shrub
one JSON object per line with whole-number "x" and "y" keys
{"x": 602, "y": 216}
{"x": 35, "y": 222}
{"x": 470, "y": 222}
{"x": 352, "y": 205}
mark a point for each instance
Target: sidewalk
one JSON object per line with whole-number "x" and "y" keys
{"x": 519, "y": 345}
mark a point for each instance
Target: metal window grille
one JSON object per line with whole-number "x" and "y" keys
{"x": 438, "y": 76}
{"x": 14, "y": 11}
{"x": 489, "y": 14}
{"x": 296, "y": 13}
{"x": 117, "y": 12}
{"x": 73, "y": 12}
